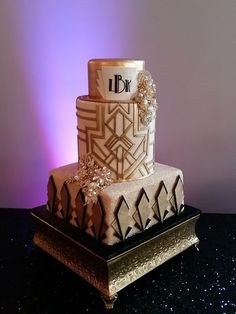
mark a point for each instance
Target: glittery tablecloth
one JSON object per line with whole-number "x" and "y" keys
{"x": 32, "y": 282}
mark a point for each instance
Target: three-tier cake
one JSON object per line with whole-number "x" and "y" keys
{"x": 116, "y": 214}
{"x": 116, "y": 189}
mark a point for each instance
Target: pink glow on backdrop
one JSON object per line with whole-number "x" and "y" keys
{"x": 56, "y": 66}
{"x": 53, "y": 41}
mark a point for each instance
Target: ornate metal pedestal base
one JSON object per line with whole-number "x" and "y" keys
{"x": 111, "y": 268}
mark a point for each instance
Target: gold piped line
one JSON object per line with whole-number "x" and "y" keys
{"x": 86, "y": 118}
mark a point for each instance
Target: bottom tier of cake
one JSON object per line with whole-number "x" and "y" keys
{"x": 123, "y": 209}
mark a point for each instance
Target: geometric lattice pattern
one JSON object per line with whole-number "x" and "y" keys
{"x": 113, "y": 134}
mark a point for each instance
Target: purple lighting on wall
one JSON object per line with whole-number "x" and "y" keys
{"x": 55, "y": 51}
{"x": 47, "y": 47}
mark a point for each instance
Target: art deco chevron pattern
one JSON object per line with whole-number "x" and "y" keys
{"x": 93, "y": 219}
{"x": 113, "y": 134}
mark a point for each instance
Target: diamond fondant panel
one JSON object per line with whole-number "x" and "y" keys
{"x": 121, "y": 223}
{"x": 142, "y": 210}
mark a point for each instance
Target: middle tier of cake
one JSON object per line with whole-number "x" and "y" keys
{"x": 112, "y": 133}
{"x": 123, "y": 208}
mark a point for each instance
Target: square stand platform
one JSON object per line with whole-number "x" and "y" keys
{"x": 111, "y": 268}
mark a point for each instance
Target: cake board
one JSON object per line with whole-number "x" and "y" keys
{"x": 111, "y": 268}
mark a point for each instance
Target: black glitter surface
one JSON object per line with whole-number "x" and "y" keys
{"x": 32, "y": 282}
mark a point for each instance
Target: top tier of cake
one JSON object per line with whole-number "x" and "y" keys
{"x": 113, "y": 79}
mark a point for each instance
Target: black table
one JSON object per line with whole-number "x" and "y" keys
{"x": 32, "y": 282}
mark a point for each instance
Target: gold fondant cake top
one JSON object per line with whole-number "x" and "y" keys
{"x": 113, "y": 79}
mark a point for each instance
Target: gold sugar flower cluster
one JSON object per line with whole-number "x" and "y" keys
{"x": 91, "y": 178}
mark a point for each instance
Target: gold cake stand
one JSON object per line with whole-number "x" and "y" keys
{"x": 111, "y": 268}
